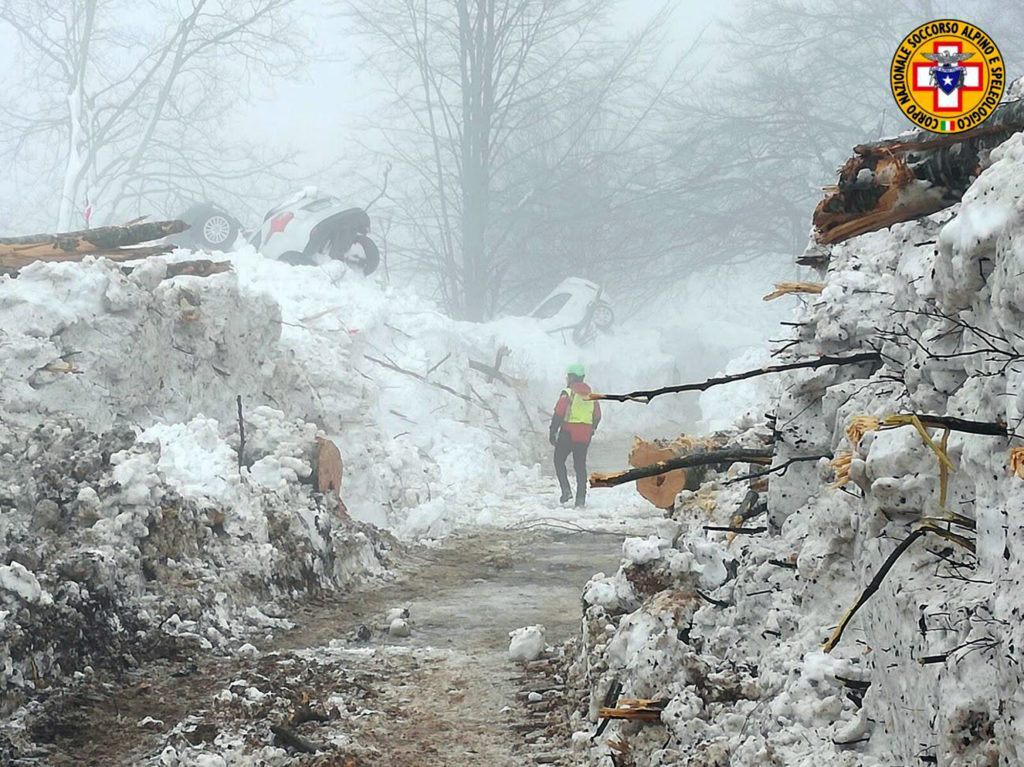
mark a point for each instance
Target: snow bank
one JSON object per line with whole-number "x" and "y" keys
{"x": 930, "y": 668}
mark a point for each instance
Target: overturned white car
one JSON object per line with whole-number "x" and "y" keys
{"x": 576, "y": 308}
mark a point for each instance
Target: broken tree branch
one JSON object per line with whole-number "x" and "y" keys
{"x": 786, "y": 288}
{"x": 887, "y": 565}
{"x": 781, "y": 468}
{"x": 736, "y": 530}
{"x": 200, "y": 267}
{"x": 241, "y": 434}
{"x": 825, "y": 360}
{"x": 986, "y": 428}
{"x": 872, "y": 587}
{"x": 418, "y": 377}
{"x": 286, "y": 736}
{"x": 492, "y": 373}
{"x": 727, "y": 455}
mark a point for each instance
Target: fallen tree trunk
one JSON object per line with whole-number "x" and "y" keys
{"x": 825, "y": 360}
{"x": 109, "y": 241}
{"x": 724, "y": 456}
{"x": 881, "y": 184}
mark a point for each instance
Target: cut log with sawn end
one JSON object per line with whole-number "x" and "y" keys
{"x": 661, "y": 490}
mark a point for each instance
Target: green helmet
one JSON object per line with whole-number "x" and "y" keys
{"x": 575, "y": 369}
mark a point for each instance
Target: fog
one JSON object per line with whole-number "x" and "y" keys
{"x": 344, "y": 288}
{"x": 635, "y": 144}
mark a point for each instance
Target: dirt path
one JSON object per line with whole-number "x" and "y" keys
{"x": 445, "y": 695}
{"x": 347, "y": 692}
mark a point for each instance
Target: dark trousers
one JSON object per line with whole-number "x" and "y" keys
{"x": 563, "y": 448}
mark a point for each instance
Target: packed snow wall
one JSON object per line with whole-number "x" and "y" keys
{"x": 727, "y": 630}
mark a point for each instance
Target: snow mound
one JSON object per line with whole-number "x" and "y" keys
{"x": 526, "y": 643}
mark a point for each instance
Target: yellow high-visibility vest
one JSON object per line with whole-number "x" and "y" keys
{"x": 580, "y": 410}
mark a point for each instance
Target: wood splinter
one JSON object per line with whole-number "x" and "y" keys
{"x": 635, "y": 709}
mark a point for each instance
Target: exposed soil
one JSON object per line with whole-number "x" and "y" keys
{"x": 344, "y": 689}
{"x": 446, "y": 695}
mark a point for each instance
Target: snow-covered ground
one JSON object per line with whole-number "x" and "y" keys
{"x": 135, "y": 521}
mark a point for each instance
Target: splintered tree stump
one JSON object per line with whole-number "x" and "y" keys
{"x": 328, "y": 467}
{"x": 904, "y": 178}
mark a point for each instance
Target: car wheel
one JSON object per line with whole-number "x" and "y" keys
{"x": 210, "y": 227}
{"x": 371, "y": 254}
{"x": 603, "y": 316}
{"x": 367, "y": 262}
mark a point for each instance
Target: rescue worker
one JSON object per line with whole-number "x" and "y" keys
{"x": 573, "y": 424}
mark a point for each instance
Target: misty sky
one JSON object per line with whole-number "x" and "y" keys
{"x": 334, "y": 101}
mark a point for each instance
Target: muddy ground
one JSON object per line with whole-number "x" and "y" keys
{"x": 338, "y": 689}
{"x": 445, "y": 695}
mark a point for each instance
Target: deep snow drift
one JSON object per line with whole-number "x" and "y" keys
{"x": 732, "y": 631}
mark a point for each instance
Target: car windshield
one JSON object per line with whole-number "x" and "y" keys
{"x": 552, "y": 306}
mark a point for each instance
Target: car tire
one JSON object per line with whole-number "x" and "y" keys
{"x": 371, "y": 253}
{"x": 210, "y": 227}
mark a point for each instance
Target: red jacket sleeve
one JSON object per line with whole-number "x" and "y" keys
{"x": 562, "y": 406}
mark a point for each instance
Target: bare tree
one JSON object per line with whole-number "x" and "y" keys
{"x": 806, "y": 82}
{"x": 495, "y": 104}
{"x": 135, "y": 106}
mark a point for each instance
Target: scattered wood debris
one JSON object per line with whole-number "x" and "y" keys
{"x": 329, "y": 466}
{"x": 635, "y": 709}
{"x": 1017, "y": 461}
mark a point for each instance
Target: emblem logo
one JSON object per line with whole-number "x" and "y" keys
{"x": 947, "y": 76}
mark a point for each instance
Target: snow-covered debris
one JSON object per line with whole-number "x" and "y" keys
{"x": 399, "y": 627}
{"x": 22, "y": 585}
{"x": 731, "y": 630}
